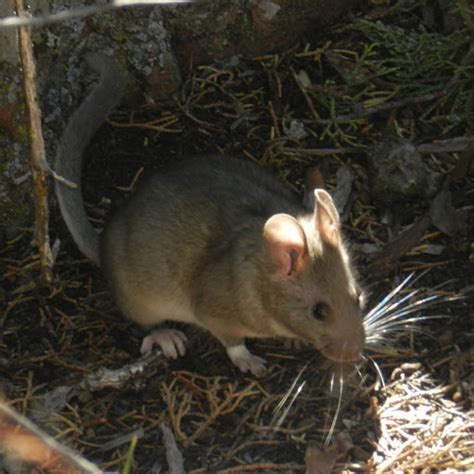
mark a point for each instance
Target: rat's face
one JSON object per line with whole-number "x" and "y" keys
{"x": 313, "y": 293}
{"x": 330, "y": 306}
{"x": 322, "y": 304}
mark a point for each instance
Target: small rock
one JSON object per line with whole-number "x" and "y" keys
{"x": 443, "y": 214}
{"x": 295, "y": 131}
{"x": 398, "y": 172}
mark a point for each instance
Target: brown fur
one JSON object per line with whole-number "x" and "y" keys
{"x": 218, "y": 242}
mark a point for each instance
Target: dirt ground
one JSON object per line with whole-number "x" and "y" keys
{"x": 378, "y": 110}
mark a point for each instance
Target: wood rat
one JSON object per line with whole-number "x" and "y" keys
{"x": 217, "y": 242}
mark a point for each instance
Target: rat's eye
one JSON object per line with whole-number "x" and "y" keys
{"x": 320, "y": 311}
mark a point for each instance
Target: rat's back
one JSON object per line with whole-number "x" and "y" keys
{"x": 219, "y": 243}
{"x": 155, "y": 250}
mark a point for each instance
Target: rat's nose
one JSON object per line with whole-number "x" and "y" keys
{"x": 345, "y": 350}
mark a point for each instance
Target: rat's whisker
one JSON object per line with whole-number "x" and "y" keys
{"x": 338, "y": 407}
{"x": 466, "y": 291}
{"x": 398, "y": 316}
{"x": 419, "y": 304}
{"x": 358, "y": 370}
{"x": 411, "y": 278}
{"x": 404, "y": 323}
{"x": 427, "y": 301}
{"x": 392, "y": 293}
{"x": 419, "y": 276}
{"x": 298, "y": 390}
{"x": 401, "y": 316}
{"x": 396, "y": 313}
{"x": 286, "y": 396}
{"x": 399, "y": 326}
{"x": 400, "y": 320}
{"x": 378, "y": 371}
{"x": 387, "y": 336}
{"x": 331, "y": 382}
{"x": 394, "y": 316}
{"x": 374, "y": 316}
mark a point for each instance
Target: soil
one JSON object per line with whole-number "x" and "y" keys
{"x": 54, "y": 340}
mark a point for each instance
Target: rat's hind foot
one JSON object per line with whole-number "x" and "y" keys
{"x": 246, "y": 361}
{"x": 171, "y": 342}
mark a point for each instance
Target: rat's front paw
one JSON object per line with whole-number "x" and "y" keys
{"x": 170, "y": 341}
{"x": 245, "y": 360}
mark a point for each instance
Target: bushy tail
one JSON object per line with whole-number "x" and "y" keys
{"x": 79, "y": 131}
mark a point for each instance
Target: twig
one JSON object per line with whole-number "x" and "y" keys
{"x": 15, "y": 22}
{"x": 202, "y": 123}
{"x": 390, "y": 105}
{"x": 323, "y": 151}
{"x": 153, "y": 125}
{"x": 59, "y": 178}
{"x": 395, "y": 249}
{"x": 39, "y": 446}
{"x": 176, "y": 413}
{"x": 220, "y": 408}
{"x": 123, "y": 439}
{"x": 263, "y": 467}
{"x": 222, "y": 399}
{"x": 276, "y": 429}
{"x": 174, "y": 456}
{"x": 37, "y": 151}
{"x": 445, "y": 146}
{"x": 123, "y": 377}
{"x": 466, "y": 158}
{"x": 276, "y": 129}
{"x": 306, "y": 96}
{"x": 238, "y": 106}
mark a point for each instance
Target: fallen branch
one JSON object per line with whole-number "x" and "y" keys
{"x": 119, "y": 379}
{"x": 404, "y": 243}
{"x": 21, "y": 440}
{"x": 445, "y": 146}
{"x": 37, "y": 151}
{"x": 367, "y": 112}
{"x": 174, "y": 456}
{"x": 80, "y": 12}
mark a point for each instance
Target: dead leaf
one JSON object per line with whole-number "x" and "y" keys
{"x": 320, "y": 461}
{"x": 443, "y": 214}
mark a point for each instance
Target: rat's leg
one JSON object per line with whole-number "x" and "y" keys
{"x": 170, "y": 341}
{"x": 150, "y": 311}
{"x": 237, "y": 351}
{"x": 245, "y": 360}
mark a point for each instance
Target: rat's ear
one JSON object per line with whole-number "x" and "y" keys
{"x": 326, "y": 218}
{"x": 286, "y": 243}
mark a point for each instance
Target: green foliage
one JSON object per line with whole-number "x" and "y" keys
{"x": 388, "y": 62}
{"x": 129, "y": 459}
{"x": 421, "y": 62}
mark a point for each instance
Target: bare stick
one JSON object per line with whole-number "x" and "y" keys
{"x": 386, "y": 106}
{"x": 401, "y": 245}
{"x": 173, "y": 454}
{"x": 80, "y": 12}
{"x": 26, "y": 440}
{"x": 37, "y": 152}
{"x": 445, "y": 146}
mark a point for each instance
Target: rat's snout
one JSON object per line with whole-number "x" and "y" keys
{"x": 344, "y": 351}
{"x": 345, "y": 332}
{"x": 346, "y": 347}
